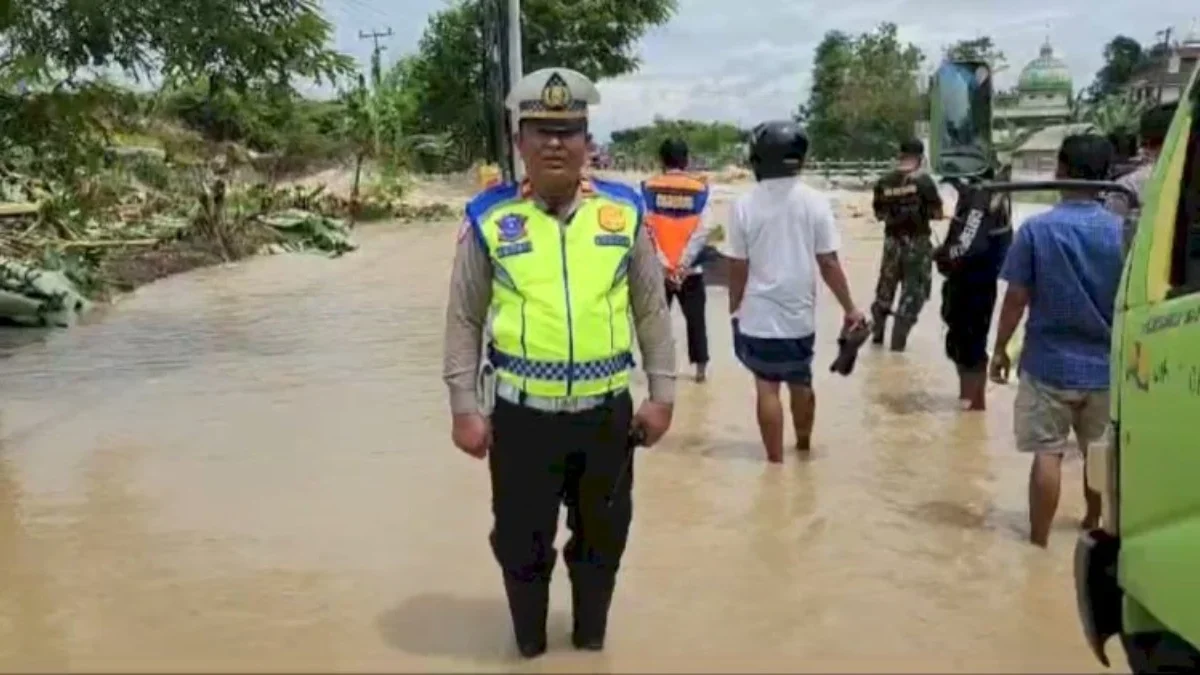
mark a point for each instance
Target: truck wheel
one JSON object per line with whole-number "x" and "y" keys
{"x": 1160, "y": 653}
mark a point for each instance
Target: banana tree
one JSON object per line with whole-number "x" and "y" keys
{"x": 1119, "y": 113}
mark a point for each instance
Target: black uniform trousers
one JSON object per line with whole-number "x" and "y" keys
{"x": 968, "y": 302}
{"x": 692, "y": 298}
{"x": 540, "y": 461}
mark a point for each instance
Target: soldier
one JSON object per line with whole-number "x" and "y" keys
{"x": 558, "y": 263}
{"x": 679, "y": 224}
{"x": 906, "y": 199}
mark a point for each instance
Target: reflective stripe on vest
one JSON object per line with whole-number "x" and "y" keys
{"x": 674, "y": 202}
{"x": 560, "y": 295}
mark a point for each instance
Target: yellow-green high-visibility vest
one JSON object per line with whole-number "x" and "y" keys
{"x": 560, "y": 312}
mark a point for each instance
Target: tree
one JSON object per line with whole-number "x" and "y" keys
{"x": 865, "y": 98}
{"x": 595, "y": 37}
{"x": 831, "y": 68}
{"x": 235, "y": 42}
{"x": 55, "y": 48}
{"x": 711, "y": 143}
{"x": 979, "y": 49}
{"x": 1123, "y": 56}
{"x": 1116, "y": 114}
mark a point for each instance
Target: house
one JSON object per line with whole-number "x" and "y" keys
{"x": 1171, "y": 73}
{"x": 1037, "y": 157}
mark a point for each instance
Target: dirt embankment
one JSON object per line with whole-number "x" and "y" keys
{"x": 148, "y": 220}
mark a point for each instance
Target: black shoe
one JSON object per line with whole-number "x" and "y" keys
{"x": 879, "y": 325}
{"x": 900, "y": 330}
{"x": 591, "y": 597}
{"x": 532, "y": 650}
{"x": 528, "y": 603}
{"x": 849, "y": 343}
{"x": 592, "y": 644}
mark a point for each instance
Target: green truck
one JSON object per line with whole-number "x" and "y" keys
{"x": 1138, "y": 576}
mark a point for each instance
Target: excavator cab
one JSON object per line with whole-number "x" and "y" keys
{"x": 1135, "y": 575}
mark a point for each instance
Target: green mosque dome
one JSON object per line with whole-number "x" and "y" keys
{"x": 1046, "y": 74}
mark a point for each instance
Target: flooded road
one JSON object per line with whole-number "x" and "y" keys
{"x": 250, "y": 469}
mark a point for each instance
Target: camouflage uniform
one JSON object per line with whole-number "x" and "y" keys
{"x": 907, "y": 263}
{"x": 905, "y": 201}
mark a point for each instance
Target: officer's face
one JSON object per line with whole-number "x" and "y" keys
{"x": 553, "y": 150}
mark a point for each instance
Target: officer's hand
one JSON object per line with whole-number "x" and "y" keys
{"x": 1000, "y": 368}
{"x": 472, "y": 434}
{"x": 653, "y": 419}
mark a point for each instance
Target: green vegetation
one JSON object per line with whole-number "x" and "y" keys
{"x": 864, "y": 99}
{"x": 446, "y": 75}
{"x": 109, "y": 185}
{"x": 710, "y": 144}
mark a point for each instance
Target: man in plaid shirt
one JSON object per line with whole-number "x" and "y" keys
{"x": 1064, "y": 266}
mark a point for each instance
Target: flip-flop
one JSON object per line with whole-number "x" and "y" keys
{"x": 849, "y": 342}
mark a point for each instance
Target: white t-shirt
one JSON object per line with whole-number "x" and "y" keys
{"x": 780, "y": 226}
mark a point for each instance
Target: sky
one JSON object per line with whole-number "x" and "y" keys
{"x": 745, "y": 61}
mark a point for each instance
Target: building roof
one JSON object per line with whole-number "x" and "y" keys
{"x": 1191, "y": 36}
{"x": 1050, "y": 138}
{"x": 1046, "y": 73}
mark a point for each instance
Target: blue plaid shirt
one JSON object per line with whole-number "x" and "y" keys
{"x": 1070, "y": 260}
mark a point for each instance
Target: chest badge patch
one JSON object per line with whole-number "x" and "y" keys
{"x": 611, "y": 219}
{"x": 512, "y": 227}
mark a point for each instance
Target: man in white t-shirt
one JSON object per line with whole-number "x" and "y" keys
{"x": 781, "y": 234}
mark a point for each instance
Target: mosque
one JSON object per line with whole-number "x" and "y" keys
{"x": 1043, "y": 97}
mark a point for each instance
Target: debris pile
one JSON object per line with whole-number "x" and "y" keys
{"x": 301, "y": 230}
{"x": 114, "y": 231}
{"x": 34, "y": 297}
{"x": 142, "y": 218}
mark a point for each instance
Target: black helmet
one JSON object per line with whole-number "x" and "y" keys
{"x": 777, "y": 149}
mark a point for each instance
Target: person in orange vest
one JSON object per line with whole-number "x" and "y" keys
{"x": 678, "y": 224}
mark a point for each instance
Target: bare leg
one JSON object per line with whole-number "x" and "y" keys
{"x": 770, "y": 418}
{"x": 1045, "y": 479}
{"x": 804, "y": 408}
{"x": 1091, "y": 516}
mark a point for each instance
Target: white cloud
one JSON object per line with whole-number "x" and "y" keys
{"x": 745, "y": 61}
{"x": 749, "y": 60}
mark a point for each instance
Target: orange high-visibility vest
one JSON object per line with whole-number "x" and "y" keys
{"x": 674, "y": 202}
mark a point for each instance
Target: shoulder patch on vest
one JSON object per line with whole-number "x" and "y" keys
{"x": 509, "y": 250}
{"x": 512, "y": 227}
{"x": 621, "y": 240}
{"x": 611, "y": 219}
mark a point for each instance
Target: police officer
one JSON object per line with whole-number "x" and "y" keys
{"x": 906, "y": 199}
{"x": 557, "y": 263}
{"x": 678, "y": 221}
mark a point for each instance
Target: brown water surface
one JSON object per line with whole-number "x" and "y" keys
{"x": 249, "y": 468}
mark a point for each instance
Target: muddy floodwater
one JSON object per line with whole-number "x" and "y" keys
{"x": 249, "y": 469}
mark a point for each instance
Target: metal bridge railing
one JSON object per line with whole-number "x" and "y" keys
{"x": 842, "y": 168}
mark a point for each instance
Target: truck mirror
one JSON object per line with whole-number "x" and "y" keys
{"x": 960, "y": 98}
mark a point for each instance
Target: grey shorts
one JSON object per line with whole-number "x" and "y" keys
{"x": 1044, "y": 416}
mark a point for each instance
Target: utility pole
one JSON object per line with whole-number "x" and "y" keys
{"x": 374, "y": 36}
{"x": 1166, "y": 60}
{"x": 516, "y": 71}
